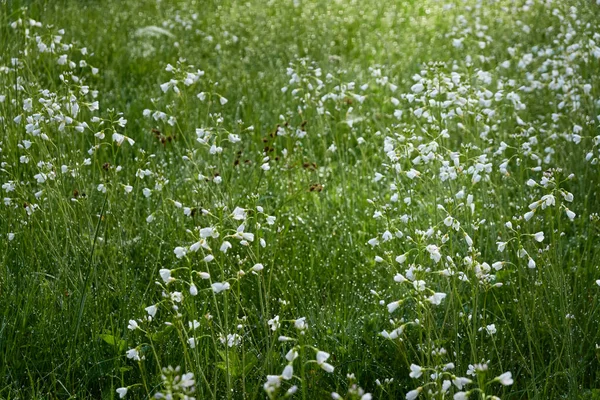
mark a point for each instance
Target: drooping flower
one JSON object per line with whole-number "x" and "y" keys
{"x": 218, "y": 287}
{"x": 505, "y": 379}
{"x": 321, "y": 361}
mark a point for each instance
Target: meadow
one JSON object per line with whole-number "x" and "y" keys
{"x": 310, "y": 199}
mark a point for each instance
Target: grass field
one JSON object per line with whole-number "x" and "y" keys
{"x": 300, "y": 199}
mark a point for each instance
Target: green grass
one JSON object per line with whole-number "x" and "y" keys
{"x": 86, "y": 261}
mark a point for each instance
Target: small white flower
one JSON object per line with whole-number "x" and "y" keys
{"x": 151, "y": 310}
{"x": 413, "y": 394}
{"x": 539, "y": 237}
{"x": 180, "y": 252}
{"x": 133, "y": 325}
{"x": 288, "y": 372}
{"x": 437, "y": 298}
{"x": 505, "y": 379}
{"x": 133, "y": 354}
{"x": 165, "y": 274}
{"x": 257, "y": 268}
{"x": 321, "y": 358}
{"x": 218, "y": 287}
{"x": 415, "y": 371}
{"x": 122, "y": 391}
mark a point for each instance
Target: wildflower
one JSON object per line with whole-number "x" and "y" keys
{"x": 133, "y": 325}
{"x": 274, "y": 323}
{"x": 300, "y": 323}
{"x": 460, "y": 382}
{"x": 239, "y": 214}
{"x": 133, "y": 354}
{"x": 218, "y": 287}
{"x": 570, "y": 214}
{"x": 180, "y": 252}
{"x": 393, "y": 306}
{"x": 204, "y": 275}
{"x": 225, "y": 246}
{"x": 460, "y": 396}
{"x": 399, "y": 278}
{"x": 434, "y": 252}
{"x": 122, "y": 391}
{"x": 539, "y": 237}
{"x": 505, "y": 379}
{"x": 321, "y": 358}
{"x": 151, "y": 310}
{"x": 437, "y": 298}
{"x": 288, "y": 372}
{"x": 413, "y": 394}
{"x": 531, "y": 263}
{"x": 415, "y": 371}
{"x": 401, "y": 259}
{"x": 165, "y": 274}
{"x": 257, "y": 268}
{"x": 193, "y": 290}
{"x": 291, "y": 355}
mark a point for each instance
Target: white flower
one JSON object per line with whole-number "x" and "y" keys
{"x": 491, "y": 329}
{"x": 180, "y": 252}
{"x": 505, "y": 379}
{"x": 401, "y": 259}
{"x": 300, "y": 323}
{"x": 192, "y": 342}
{"x": 288, "y": 372}
{"x": 393, "y": 306}
{"x": 459, "y": 382}
{"x": 222, "y": 100}
{"x": 151, "y": 310}
{"x": 122, "y": 391}
{"x": 539, "y": 236}
{"x": 399, "y": 278}
{"x": 204, "y": 275}
{"x": 225, "y": 246}
{"x": 570, "y": 214}
{"x": 528, "y": 215}
{"x": 165, "y": 274}
{"x": 437, "y": 298}
{"x": 218, "y": 287}
{"x": 274, "y": 323}
{"x": 415, "y": 371}
{"x": 460, "y": 396}
{"x": 434, "y": 252}
{"x": 133, "y": 325}
{"x": 531, "y": 263}
{"x": 239, "y": 214}
{"x": 413, "y": 394}
{"x": 291, "y": 355}
{"x": 133, "y": 354}
{"x": 11, "y": 236}
{"x": 257, "y": 268}
{"x": 468, "y": 240}
{"x": 193, "y": 290}
{"x": 321, "y": 358}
